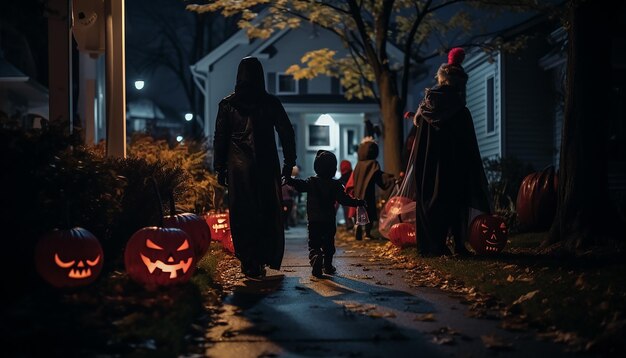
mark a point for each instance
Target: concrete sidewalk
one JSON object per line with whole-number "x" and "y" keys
{"x": 366, "y": 310}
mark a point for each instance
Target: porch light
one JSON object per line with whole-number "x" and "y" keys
{"x": 139, "y": 84}
{"x": 188, "y": 117}
{"x": 324, "y": 120}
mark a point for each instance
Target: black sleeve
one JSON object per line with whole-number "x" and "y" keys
{"x": 300, "y": 185}
{"x": 221, "y": 139}
{"x": 343, "y": 198}
{"x": 384, "y": 180}
{"x": 285, "y": 133}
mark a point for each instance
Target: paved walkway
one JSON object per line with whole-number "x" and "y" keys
{"x": 367, "y": 310}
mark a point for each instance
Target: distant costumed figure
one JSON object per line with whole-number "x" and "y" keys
{"x": 366, "y": 176}
{"x": 449, "y": 174}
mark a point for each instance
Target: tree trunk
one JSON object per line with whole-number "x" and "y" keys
{"x": 392, "y": 123}
{"x": 585, "y": 215}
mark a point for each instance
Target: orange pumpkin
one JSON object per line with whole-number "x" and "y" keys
{"x": 403, "y": 235}
{"x": 536, "y": 200}
{"x": 157, "y": 256}
{"x": 195, "y": 226}
{"x": 488, "y": 234}
{"x": 69, "y": 258}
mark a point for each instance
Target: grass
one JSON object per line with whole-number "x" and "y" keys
{"x": 581, "y": 295}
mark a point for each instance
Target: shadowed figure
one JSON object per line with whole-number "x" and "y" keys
{"x": 323, "y": 191}
{"x": 448, "y": 167}
{"x": 246, "y": 160}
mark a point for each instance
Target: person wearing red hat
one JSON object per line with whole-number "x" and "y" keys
{"x": 448, "y": 167}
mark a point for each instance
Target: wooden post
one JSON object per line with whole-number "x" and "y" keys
{"x": 115, "y": 78}
{"x": 60, "y": 62}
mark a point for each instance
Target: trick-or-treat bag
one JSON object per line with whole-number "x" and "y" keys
{"x": 361, "y": 216}
{"x": 401, "y": 204}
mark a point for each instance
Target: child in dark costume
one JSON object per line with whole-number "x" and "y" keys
{"x": 367, "y": 174}
{"x": 323, "y": 190}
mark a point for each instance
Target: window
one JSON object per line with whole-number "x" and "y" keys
{"x": 490, "y": 103}
{"x": 286, "y": 84}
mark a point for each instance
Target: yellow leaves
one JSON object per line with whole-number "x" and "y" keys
{"x": 318, "y": 62}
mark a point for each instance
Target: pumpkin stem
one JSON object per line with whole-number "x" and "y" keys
{"x": 172, "y": 204}
{"x": 156, "y": 190}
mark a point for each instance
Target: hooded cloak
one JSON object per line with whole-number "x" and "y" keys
{"x": 366, "y": 175}
{"x": 245, "y": 149}
{"x": 448, "y": 169}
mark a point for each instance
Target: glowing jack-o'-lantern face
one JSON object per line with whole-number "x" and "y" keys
{"x": 219, "y": 224}
{"x": 69, "y": 258}
{"x": 157, "y": 256}
{"x": 488, "y": 234}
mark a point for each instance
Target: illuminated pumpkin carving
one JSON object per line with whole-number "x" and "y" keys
{"x": 488, "y": 234}
{"x": 403, "y": 235}
{"x": 194, "y": 226}
{"x": 157, "y": 256}
{"x": 219, "y": 223}
{"x": 536, "y": 200}
{"x": 69, "y": 258}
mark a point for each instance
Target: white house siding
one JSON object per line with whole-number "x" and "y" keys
{"x": 479, "y": 69}
{"x": 529, "y": 111}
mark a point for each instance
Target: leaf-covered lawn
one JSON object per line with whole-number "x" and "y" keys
{"x": 579, "y": 301}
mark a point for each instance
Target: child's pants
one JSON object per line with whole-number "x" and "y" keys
{"x": 322, "y": 240}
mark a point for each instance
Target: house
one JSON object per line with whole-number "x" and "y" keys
{"x": 319, "y": 113}
{"x": 516, "y": 99}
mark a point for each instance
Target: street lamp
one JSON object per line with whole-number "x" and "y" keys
{"x": 188, "y": 117}
{"x": 179, "y": 138}
{"x": 139, "y": 84}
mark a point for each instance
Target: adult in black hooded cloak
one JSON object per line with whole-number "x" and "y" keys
{"x": 448, "y": 167}
{"x": 246, "y": 160}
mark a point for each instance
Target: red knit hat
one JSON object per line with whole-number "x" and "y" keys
{"x": 452, "y": 71}
{"x": 345, "y": 167}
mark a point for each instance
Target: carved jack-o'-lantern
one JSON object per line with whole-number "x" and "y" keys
{"x": 488, "y": 234}
{"x": 536, "y": 200}
{"x": 157, "y": 256}
{"x": 195, "y": 226}
{"x": 403, "y": 235}
{"x": 69, "y": 258}
{"x": 219, "y": 224}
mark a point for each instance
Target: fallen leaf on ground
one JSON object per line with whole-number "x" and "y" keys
{"x": 495, "y": 342}
{"x": 426, "y": 317}
{"x": 510, "y": 278}
{"x": 525, "y": 297}
{"x": 443, "y": 340}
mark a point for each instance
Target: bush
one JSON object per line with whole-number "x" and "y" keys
{"x": 505, "y": 176}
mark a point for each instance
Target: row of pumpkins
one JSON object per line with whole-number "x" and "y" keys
{"x": 535, "y": 204}
{"x": 154, "y": 256}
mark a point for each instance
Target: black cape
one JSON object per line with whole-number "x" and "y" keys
{"x": 245, "y": 148}
{"x": 448, "y": 169}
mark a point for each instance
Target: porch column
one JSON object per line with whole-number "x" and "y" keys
{"x": 115, "y": 59}
{"x": 60, "y": 62}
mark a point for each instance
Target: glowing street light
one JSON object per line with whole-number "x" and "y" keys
{"x": 139, "y": 84}
{"x": 188, "y": 117}
{"x": 179, "y": 138}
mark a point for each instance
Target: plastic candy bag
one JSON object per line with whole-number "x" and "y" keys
{"x": 361, "y": 216}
